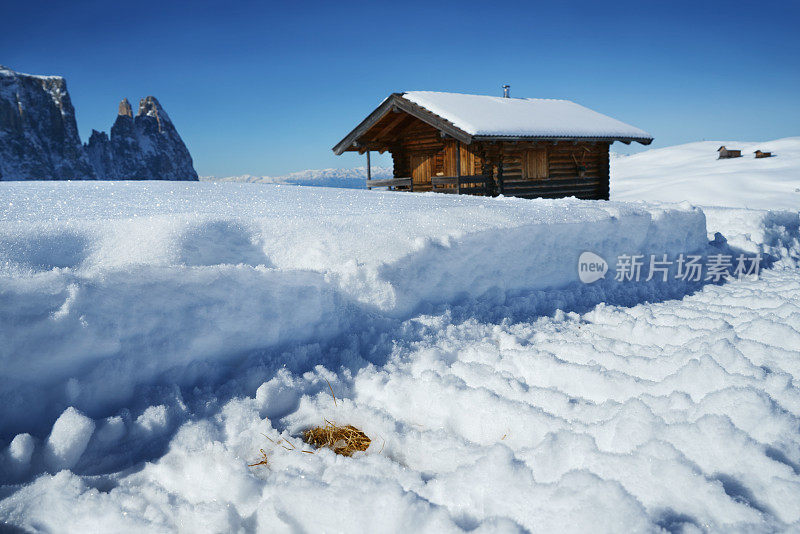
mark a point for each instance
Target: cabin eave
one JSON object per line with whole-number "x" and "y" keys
{"x": 396, "y": 103}
{"x": 560, "y": 139}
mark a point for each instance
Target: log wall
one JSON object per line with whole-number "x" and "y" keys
{"x": 422, "y": 153}
{"x": 526, "y": 169}
{"x": 579, "y": 169}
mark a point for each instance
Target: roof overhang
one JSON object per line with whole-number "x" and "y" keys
{"x": 393, "y": 103}
{"x": 626, "y": 140}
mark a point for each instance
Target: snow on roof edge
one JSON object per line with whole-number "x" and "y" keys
{"x": 491, "y": 116}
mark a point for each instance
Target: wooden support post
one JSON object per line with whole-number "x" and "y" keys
{"x": 500, "y": 187}
{"x": 488, "y": 179}
{"x": 369, "y": 171}
{"x": 458, "y": 167}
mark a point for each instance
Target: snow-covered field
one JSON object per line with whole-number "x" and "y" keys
{"x": 693, "y": 172}
{"x": 689, "y": 172}
{"x": 347, "y": 178}
{"x": 155, "y": 336}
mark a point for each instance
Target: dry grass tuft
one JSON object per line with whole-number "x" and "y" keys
{"x": 263, "y": 460}
{"x": 344, "y": 440}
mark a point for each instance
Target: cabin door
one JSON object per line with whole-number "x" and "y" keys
{"x": 469, "y": 160}
{"x": 421, "y": 168}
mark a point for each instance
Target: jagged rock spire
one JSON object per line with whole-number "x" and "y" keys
{"x": 125, "y": 108}
{"x": 144, "y": 147}
{"x": 149, "y": 105}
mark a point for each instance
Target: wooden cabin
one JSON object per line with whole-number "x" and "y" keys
{"x": 760, "y": 154}
{"x": 725, "y": 153}
{"x": 484, "y": 145}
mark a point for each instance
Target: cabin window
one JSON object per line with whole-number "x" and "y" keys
{"x": 535, "y": 165}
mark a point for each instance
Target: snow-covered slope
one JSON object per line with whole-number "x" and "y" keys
{"x": 144, "y": 279}
{"x": 692, "y": 172}
{"x": 680, "y": 416}
{"x": 689, "y": 172}
{"x": 154, "y": 336}
{"x": 347, "y": 178}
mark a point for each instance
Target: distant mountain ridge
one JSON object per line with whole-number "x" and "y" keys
{"x": 353, "y": 178}
{"x": 39, "y": 137}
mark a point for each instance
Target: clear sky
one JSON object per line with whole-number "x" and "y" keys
{"x": 268, "y": 88}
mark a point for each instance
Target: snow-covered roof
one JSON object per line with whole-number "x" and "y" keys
{"x": 464, "y": 117}
{"x": 492, "y": 116}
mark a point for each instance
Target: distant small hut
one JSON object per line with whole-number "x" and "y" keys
{"x": 760, "y": 154}
{"x": 725, "y": 153}
{"x": 485, "y": 145}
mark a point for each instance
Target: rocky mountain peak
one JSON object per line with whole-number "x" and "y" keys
{"x": 150, "y": 107}
{"x": 39, "y": 137}
{"x": 125, "y": 108}
{"x": 38, "y": 133}
{"x": 144, "y": 147}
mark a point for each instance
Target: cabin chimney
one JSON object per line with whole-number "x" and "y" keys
{"x": 506, "y": 91}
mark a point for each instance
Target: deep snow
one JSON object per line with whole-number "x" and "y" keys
{"x": 680, "y": 415}
{"x": 106, "y": 286}
{"x": 152, "y": 335}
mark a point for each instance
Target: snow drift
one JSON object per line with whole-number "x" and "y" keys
{"x": 152, "y": 335}
{"x": 107, "y": 286}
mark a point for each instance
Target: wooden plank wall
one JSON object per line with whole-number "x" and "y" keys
{"x": 530, "y": 168}
{"x": 418, "y": 142}
{"x": 423, "y": 153}
{"x": 522, "y": 169}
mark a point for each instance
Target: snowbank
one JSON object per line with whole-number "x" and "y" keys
{"x": 772, "y": 233}
{"x": 152, "y": 335}
{"x": 692, "y": 172}
{"x": 106, "y": 286}
{"x": 680, "y": 415}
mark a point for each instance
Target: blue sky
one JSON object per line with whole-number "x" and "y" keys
{"x": 269, "y": 88}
